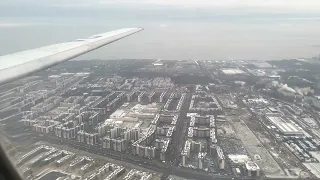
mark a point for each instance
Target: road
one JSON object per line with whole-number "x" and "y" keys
{"x": 177, "y": 139}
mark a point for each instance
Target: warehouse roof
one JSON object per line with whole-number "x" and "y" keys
{"x": 232, "y": 71}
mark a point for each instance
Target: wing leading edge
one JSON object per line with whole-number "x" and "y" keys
{"x": 21, "y": 64}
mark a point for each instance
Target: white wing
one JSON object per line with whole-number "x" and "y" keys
{"x": 21, "y": 64}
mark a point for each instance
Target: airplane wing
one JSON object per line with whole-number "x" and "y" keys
{"x": 21, "y": 64}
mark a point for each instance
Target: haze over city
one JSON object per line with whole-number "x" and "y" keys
{"x": 160, "y": 89}
{"x": 173, "y": 29}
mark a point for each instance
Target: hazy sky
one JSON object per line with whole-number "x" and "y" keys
{"x": 174, "y": 29}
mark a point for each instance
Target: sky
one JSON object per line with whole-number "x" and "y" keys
{"x": 174, "y": 29}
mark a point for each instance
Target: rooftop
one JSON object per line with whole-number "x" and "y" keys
{"x": 314, "y": 168}
{"x": 232, "y": 71}
{"x": 285, "y": 127}
{"x": 238, "y": 158}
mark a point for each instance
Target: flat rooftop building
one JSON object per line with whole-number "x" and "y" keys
{"x": 286, "y": 128}
{"x": 232, "y": 71}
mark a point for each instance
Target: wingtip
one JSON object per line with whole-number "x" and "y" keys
{"x": 140, "y": 28}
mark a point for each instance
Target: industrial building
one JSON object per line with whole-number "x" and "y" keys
{"x": 285, "y": 128}
{"x": 232, "y": 71}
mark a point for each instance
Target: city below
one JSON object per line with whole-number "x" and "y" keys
{"x": 146, "y": 119}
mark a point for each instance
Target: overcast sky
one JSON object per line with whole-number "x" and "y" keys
{"x": 268, "y": 5}
{"x": 174, "y": 29}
